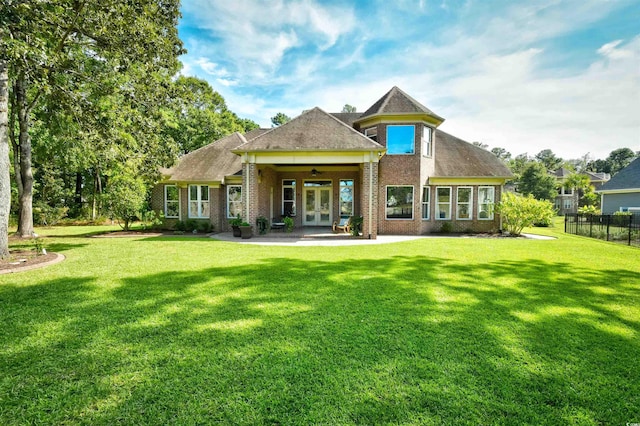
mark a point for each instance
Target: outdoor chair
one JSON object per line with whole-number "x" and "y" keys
{"x": 344, "y": 225}
{"x": 277, "y": 224}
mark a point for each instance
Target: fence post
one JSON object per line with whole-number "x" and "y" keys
{"x": 630, "y": 222}
{"x": 590, "y": 225}
{"x": 608, "y": 223}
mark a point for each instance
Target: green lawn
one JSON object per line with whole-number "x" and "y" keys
{"x": 433, "y": 331}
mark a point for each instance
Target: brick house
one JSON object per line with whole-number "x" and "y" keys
{"x": 391, "y": 165}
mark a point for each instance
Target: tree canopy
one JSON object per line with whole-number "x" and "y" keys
{"x": 279, "y": 119}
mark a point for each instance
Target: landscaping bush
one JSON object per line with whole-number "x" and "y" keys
{"x": 519, "y": 212}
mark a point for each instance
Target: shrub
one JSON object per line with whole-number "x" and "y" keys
{"x": 191, "y": 225}
{"x": 356, "y": 225}
{"x": 205, "y": 227}
{"x": 125, "y": 198}
{"x": 519, "y": 212}
{"x": 446, "y": 228}
{"x": 288, "y": 224}
{"x": 44, "y": 214}
{"x": 151, "y": 219}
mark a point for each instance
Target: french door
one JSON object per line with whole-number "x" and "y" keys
{"x": 317, "y": 204}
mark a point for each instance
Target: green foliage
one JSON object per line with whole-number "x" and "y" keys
{"x": 348, "y": 108}
{"x": 356, "y": 225}
{"x": 191, "y": 225}
{"x": 200, "y": 115}
{"x": 125, "y": 198}
{"x": 236, "y": 221}
{"x": 263, "y": 224}
{"x": 288, "y": 224}
{"x": 151, "y": 219}
{"x": 535, "y": 180}
{"x": 518, "y": 212}
{"x": 279, "y": 119}
{"x": 446, "y": 227}
{"x": 589, "y": 209}
{"x": 549, "y": 160}
{"x": 43, "y": 214}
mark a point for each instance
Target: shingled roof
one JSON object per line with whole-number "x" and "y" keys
{"x": 457, "y": 158}
{"x": 314, "y": 130}
{"x": 626, "y": 179}
{"x": 211, "y": 163}
{"x": 395, "y": 101}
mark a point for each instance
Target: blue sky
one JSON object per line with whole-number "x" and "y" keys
{"x": 525, "y": 76}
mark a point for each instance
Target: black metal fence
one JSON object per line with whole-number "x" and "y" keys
{"x": 609, "y": 227}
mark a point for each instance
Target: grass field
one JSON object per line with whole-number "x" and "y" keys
{"x": 433, "y": 331}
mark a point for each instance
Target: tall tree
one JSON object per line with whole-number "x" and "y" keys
{"x": 202, "y": 115}
{"x": 279, "y": 119}
{"x": 5, "y": 184}
{"x": 535, "y": 180}
{"x": 348, "y": 108}
{"x": 502, "y": 154}
{"x": 549, "y": 159}
{"x": 620, "y": 158}
{"x": 44, "y": 42}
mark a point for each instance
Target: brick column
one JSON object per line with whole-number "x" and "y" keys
{"x": 250, "y": 193}
{"x": 369, "y": 199}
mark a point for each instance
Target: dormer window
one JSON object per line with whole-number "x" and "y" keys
{"x": 400, "y": 140}
{"x": 427, "y": 146}
{"x": 372, "y": 133}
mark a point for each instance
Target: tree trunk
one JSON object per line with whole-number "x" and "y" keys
{"x": 5, "y": 182}
{"x": 25, "y": 198}
{"x": 77, "y": 199}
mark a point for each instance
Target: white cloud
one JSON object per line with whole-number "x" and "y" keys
{"x": 506, "y": 103}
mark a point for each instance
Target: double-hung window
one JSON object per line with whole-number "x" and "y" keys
{"x": 486, "y": 198}
{"x": 465, "y": 201}
{"x": 443, "y": 202}
{"x": 399, "y": 202}
{"x": 426, "y": 198}
{"x": 199, "y": 201}
{"x": 427, "y": 146}
{"x": 234, "y": 201}
{"x": 289, "y": 197}
{"x": 346, "y": 197}
{"x": 171, "y": 201}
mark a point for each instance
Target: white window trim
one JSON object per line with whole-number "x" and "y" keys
{"x": 427, "y": 145}
{"x": 413, "y": 142}
{"x": 199, "y": 201}
{"x": 413, "y": 201}
{"x": 371, "y": 131}
{"x": 437, "y": 203}
{"x": 229, "y": 200}
{"x": 493, "y": 203}
{"x": 426, "y": 205}
{"x": 353, "y": 198}
{"x": 166, "y": 215}
{"x": 295, "y": 207}
{"x": 470, "y": 203}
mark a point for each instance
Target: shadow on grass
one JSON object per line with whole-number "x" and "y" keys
{"x": 408, "y": 339}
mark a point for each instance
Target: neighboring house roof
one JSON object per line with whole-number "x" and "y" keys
{"x": 626, "y": 179}
{"x": 562, "y": 173}
{"x": 598, "y": 176}
{"x": 313, "y": 130}
{"x": 457, "y": 158}
{"x": 395, "y": 101}
{"x": 211, "y": 163}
